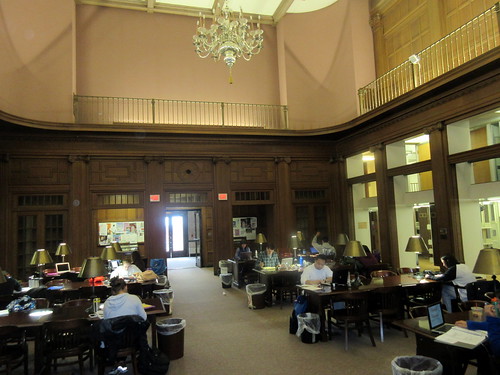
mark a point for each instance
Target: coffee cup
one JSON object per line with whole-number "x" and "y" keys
{"x": 476, "y": 314}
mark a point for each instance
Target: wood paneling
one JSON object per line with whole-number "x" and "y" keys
{"x": 117, "y": 171}
{"x": 39, "y": 172}
{"x": 308, "y": 171}
{"x": 188, "y": 171}
{"x": 252, "y": 171}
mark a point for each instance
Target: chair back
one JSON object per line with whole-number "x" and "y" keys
{"x": 425, "y": 293}
{"x": 382, "y": 273}
{"x": 66, "y": 336}
{"x": 417, "y": 311}
{"x": 356, "y": 306}
{"x": 13, "y": 348}
{"x": 467, "y": 305}
{"x": 477, "y": 289}
{"x": 41, "y": 303}
{"x": 408, "y": 270}
{"x": 388, "y": 301}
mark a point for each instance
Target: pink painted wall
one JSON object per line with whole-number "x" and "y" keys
{"x": 313, "y": 62}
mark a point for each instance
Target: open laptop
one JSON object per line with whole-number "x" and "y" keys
{"x": 62, "y": 267}
{"x": 115, "y": 263}
{"x": 288, "y": 262}
{"x": 246, "y": 255}
{"x": 436, "y": 319}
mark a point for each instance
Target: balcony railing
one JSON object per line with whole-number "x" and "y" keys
{"x": 471, "y": 40}
{"x": 128, "y": 111}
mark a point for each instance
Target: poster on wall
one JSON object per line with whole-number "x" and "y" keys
{"x": 122, "y": 232}
{"x": 245, "y": 227}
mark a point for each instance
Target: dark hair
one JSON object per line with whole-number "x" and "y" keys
{"x": 449, "y": 260}
{"x": 243, "y": 242}
{"x": 137, "y": 260}
{"x": 270, "y": 245}
{"x": 322, "y": 256}
{"x": 117, "y": 285}
{"x": 325, "y": 239}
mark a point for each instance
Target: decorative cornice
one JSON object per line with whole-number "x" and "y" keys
{"x": 436, "y": 127}
{"x": 375, "y": 21}
{"x": 378, "y": 147}
{"x": 223, "y": 159}
{"x": 150, "y": 159}
{"x": 74, "y": 158}
{"x": 282, "y": 159}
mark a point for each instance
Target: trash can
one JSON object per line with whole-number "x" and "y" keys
{"x": 309, "y": 325}
{"x": 225, "y": 267}
{"x": 167, "y": 299}
{"x": 418, "y": 364}
{"x": 171, "y": 337}
{"x": 256, "y": 293}
{"x": 227, "y": 279}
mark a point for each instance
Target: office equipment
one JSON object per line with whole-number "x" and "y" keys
{"x": 288, "y": 262}
{"x": 246, "y": 255}
{"x": 436, "y": 319}
{"x": 114, "y": 263}
{"x": 62, "y": 267}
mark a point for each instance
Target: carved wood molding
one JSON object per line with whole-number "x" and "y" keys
{"x": 378, "y": 147}
{"x": 375, "y": 21}
{"x": 336, "y": 159}
{"x": 282, "y": 159}
{"x": 150, "y": 159}
{"x": 74, "y": 158}
{"x": 436, "y": 127}
{"x": 221, "y": 159}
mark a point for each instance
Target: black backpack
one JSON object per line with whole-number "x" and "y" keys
{"x": 153, "y": 362}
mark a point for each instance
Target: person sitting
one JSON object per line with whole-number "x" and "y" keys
{"x": 126, "y": 270}
{"x": 269, "y": 258}
{"x": 137, "y": 261}
{"x": 121, "y": 303}
{"x": 243, "y": 251}
{"x": 492, "y": 326}
{"x": 324, "y": 247}
{"x": 10, "y": 285}
{"x": 317, "y": 273}
{"x": 456, "y": 273}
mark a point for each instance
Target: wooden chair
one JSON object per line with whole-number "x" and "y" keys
{"x": 466, "y": 306}
{"x": 42, "y": 303}
{"x": 67, "y": 338}
{"x": 284, "y": 285}
{"x": 13, "y": 349}
{"x": 408, "y": 270}
{"x": 382, "y": 273}
{"x": 422, "y": 294}
{"x": 417, "y": 311}
{"x": 355, "y": 311}
{"x": 387, "y": 306}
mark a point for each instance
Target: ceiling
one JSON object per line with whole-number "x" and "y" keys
{"x": 271, "y": 11}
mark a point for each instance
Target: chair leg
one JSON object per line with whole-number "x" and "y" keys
{"x": 80, "y": 363}
{"x": 381, "y": 327}
{"x": 370, "y": 332}
{"x": 346, "y": 336}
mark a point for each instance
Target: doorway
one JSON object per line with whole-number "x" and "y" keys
{"x": 182, "y": 234}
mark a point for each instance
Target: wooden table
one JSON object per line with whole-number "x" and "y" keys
{"x": 34, "y": 320}
{"x": 453, "y": 358}
{"x": 268, "y": 277}
{"x": 319, "y": 299}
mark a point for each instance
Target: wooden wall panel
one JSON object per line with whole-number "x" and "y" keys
{"x": 39, "y": 172}
{"x": 188, "y": 171}
{"x": 117, "y": 172}
{"x": 309, "y": 171}
{"x": 458, "y": 12}
{"x": 252, "y": 171}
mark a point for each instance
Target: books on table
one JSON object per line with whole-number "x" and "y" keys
{"x": 462, "y": 337}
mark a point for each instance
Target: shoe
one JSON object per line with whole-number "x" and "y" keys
{"x": 119, "y": 370}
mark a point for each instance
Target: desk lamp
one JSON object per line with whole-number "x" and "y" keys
{"x": 63, "y": 250}
{"x": 417, "y": 245}
{"x": 91, "y": 268}
{"x": 41, "y": 257}
{"x": 488, "y": 262}
{"x": 261, "y": 239}
{"x": 3, "y": 279}
{"x": 341, "y": 242}
{"x": 116, "y": 245}
{"x": 294, "y": 244}
{"x": 354, "y": 249}
{"x": 108, "y": 253}
{"x": 301, "y": 239}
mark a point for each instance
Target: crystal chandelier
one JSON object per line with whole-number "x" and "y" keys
{"x": 229, "y": 37}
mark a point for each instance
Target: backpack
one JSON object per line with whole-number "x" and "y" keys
{"x": 152, "y": 361}
{"x": 300, "y": 307}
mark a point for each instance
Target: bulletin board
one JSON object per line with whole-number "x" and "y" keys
{"x": 245, "y": 227}
{"x": 122, "y": 232}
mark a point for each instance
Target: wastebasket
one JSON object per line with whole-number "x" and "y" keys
{"x": 416, "y": 365}
{"x": 171, "y": 337}
{"x": 225, "y": 267}
{"x": 167, "y": 299}
{"x": 255, "y": 293}
{"x": 309, "y": 325}
{"x": 227, "y": 279}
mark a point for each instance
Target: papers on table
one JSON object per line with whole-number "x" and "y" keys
{"x": 310, "y": 287}
{"x": 4, "y": 312}
{"x": 462, "y": 337}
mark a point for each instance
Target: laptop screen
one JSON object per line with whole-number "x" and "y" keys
{"x": 62, "y": 267}
{"x": 246, "y": 255}
{"x": 436, "y": 316}
{"x": 114, "y": 263}
{"x": 287, "y": 262}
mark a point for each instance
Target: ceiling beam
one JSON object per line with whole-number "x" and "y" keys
{"x": 281, "y": 10}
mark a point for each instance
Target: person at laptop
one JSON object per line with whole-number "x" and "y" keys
{"x": 324, "y": 247}
{"x": 10, "y": 285}
{"x": 317, "y": 273}
{"x": 269, "y": 258}
{"x": 126, "y": 270}
{"x": 455, "y": 273}
{"x": 122, "y": 303}
{"x": 492, "y": 326}
{"x": 243, "y": 252}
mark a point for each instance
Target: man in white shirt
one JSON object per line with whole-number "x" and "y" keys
{"x": 317, "y": 273}
{"x": 126, "y": 270}
{"x": 324, "y": 247}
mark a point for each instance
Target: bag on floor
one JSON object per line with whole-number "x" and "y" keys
{"x": 153, "y": 362}
{"x": 294, "y": 323}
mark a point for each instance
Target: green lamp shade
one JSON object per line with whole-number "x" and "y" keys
{"x": 92, "y": 267}
{"x": 354, "y": 249}
{"x": 63, "y": 249}
{"x": 41, "y": 256}
{"x": 108, "y": 253}
{"x": 488, "y": 262}
{"x": 416, "y": 245}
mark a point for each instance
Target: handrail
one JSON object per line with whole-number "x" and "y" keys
{"x": 476, "y": 37}
{"x": 117, "y": 110}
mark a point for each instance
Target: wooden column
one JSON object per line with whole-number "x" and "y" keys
{"x": 78, "y": 236}
{"x": 386, "y": 209}
{"x": 7, "y": 262}
{"x": 448, "y": 231}
{"x": 379, "y": 44}
{"x": 154, "y": 212}
{"x": 340, "y": 201}
{"x": 223, "y": 213}
{"x": 284, "y": 208}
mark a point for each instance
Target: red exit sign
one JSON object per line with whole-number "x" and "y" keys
{"x": 222, "y": 196}
{"x": 154, "y": 197}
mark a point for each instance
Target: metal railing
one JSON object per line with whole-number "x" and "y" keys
{"x": 114, "y": 110}
{"x": 471, "y": 40}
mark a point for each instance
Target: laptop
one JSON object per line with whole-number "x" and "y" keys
{"x": 287, "y": 262}
{"x": 436, "y": 319}
{"x": 114, "y": 264}
{"x": 62, "y": 267}
{"x": 246, "y": 255}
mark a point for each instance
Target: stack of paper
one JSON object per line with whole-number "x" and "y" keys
{"x": 462, "y": 337}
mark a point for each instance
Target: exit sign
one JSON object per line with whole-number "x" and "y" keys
{"x": 222, "y": 196}
{"x": 154, "y": 197}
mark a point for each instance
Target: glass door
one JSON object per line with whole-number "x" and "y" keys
{"x": 176, "y": 234}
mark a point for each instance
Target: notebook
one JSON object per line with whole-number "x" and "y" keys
{"x": 62, "y": 267}
{"x": 435, "y": 317}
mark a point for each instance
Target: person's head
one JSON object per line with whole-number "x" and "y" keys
{"x": 449, "y": 261}
{"x": 325, "y": 239}
{"x": 270, "y": 248}
{"x": 243, "y": 244}
{"x": 126, "y": 264}
{"x": 320, "y": 261}
{"x": 117, "y": 285}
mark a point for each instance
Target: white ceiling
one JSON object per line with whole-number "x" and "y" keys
{"x": 271, "y": 11}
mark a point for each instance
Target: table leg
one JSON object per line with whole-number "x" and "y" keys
{"x": 316, "y": 305}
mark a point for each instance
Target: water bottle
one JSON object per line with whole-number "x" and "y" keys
{"x": 494, "y": 301}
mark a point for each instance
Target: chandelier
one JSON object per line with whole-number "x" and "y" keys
{"x": 230, "y": 36}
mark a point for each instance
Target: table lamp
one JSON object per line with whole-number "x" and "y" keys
{"x": 416, "y": 245}
{"x": 301, "y": 239}
{"x": 41, "y": 257}
{"x": 354, "y": 249}
{"x": 261, "y": 239}
{"x": 116, "y": 246}
{"x": 488, "y": 262}
{"x": 294, "y": 244}
{"x": 63, "y": 250}
{"x": 3, "y": 279}
{"x": 340, "y": 242}
{"x": 91, "y": 268}
{"x": 108, "y": 253}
